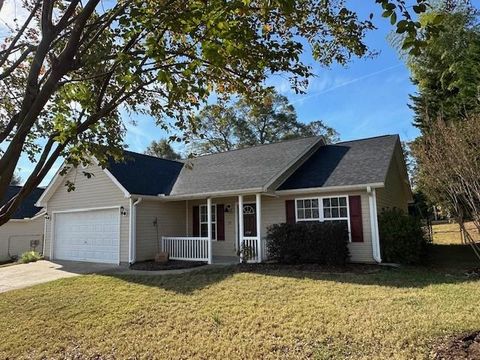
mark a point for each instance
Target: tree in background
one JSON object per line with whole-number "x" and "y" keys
{"x": 447, "y": 71}
{"x": 69, "y": 69}
{"x": 216, "y": 130}
{"x": 448, "y": 158}
{"x": 262, "y": 119}
{"x": 162, "y": 149}
{"x": 16, "y": 179}
{"x": 446, "y": 107}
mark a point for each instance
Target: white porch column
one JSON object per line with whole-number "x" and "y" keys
{"x": 258, "y": 212}
{"x": 240, "y": 225}
{"x": 209, "y": 224}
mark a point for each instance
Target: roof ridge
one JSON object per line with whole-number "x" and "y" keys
{"x": 367, "y": 138}
{"x": 257, "y": 145}
{"x": 153, "y": 156}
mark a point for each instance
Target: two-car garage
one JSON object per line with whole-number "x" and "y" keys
{"x": 90, "y": 235}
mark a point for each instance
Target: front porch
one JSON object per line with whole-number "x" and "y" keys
{"x": 217, "y": 234}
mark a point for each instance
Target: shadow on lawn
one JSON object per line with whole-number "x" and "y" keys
{"x": 182, "y": 283}
{"x": 364, "y": 275}
{"x": 446, "y": 264}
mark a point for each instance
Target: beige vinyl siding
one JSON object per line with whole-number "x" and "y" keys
{"x": 395, "y": 193}
{"x": 273, "y": 212}
{"x": 97, "y": 192}
{"x": 20, "y": 233}
{"x": 171, "y": 221}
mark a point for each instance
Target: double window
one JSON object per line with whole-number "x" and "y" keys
{"x": 320, "y": 209}
{"x": 204, "y": 221}
{"x": 332, "y": 208}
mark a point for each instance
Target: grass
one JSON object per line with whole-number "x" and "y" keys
{"x": 449, "y": 234}
{"x": 228, "y": 314}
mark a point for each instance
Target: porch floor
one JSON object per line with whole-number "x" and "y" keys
{"x": 225, "y": 260}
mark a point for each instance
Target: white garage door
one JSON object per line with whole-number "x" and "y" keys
{"x": 92, "y": 236}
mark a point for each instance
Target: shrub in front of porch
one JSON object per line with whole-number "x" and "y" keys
{"x": 321, "y": 243}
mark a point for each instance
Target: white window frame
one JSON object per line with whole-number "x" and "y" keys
{"x": 311, "y": 218}
{"x": 321, "y": 217}
{"x": 200, "y": 223}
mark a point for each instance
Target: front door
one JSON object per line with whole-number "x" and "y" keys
{"x": 249, "y": 220}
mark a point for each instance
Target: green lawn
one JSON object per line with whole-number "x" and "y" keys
{"x": 449, "y": 234}
{"x": 227, "y": 314}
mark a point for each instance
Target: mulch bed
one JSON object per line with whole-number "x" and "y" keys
{"x": 465, "y": 347}
{"x": 169, "y": 265}
{"x": 326, "y": 269}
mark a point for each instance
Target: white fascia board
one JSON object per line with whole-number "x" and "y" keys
{"x": 52, "y": 186}
{"x": 113, "y": 178}
{"x": 244, "y": 192}
{"x": 116, "y": 182}
{"x": 327, "y": 189}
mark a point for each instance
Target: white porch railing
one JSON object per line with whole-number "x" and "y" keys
{"x": 249, "y": 249}
{"x": 186, "y": 248}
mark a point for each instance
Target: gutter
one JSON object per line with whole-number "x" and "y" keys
{"x": 163, "y": 197}
{"x": 330, "y": 189}
{"x": 133, "y": 230}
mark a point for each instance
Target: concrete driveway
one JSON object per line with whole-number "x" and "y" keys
{"x": 24, "y": 275}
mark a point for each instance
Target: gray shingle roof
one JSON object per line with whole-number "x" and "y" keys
{"x": 242, "y": 169}
{"x": 364, "y": 161}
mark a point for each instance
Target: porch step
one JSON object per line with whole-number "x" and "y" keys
{"x": 225, "y": 260}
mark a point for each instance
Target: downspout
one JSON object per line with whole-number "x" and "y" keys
{"x": 46, "y": 218}
{"x": 372, "y": 199}
{"x": 130, "y": 230}
{"x": 133, "y": 229}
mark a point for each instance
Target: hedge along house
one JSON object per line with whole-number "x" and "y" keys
{"x": 211, "y": 207}
{"x": 24, "y": 231}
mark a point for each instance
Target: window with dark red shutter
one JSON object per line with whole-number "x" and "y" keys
{"x": 290, "y": 211}
{"x": 356, "y": 226}
{"x": 196, "y": 221}
{"x": 220, "y": 222}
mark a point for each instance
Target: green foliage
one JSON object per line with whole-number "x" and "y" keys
{"x": 262, "y": 119}
{"x": 413, "y": 33}
{"x": 402, "y": 237}
{"x": 423, "y": 206}
{"x": 446, "y": 71}
{"x": 162, "y": 149}
{"x": 321, "y": 243}
{"x": 30, "y": 256}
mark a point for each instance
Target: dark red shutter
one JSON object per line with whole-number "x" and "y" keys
{"x": 356, "y": 226}
{"x": 290, "y": 211}
{"x": 196, "y": 221}
{"x": 220, "y": 222}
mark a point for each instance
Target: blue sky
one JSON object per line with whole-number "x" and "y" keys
{"x": 368, "y": 97}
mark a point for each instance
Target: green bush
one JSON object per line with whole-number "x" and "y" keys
{"x": 402, "y": 238}
{"x": 321, "y": 243}
{"x": 30, "y": 256}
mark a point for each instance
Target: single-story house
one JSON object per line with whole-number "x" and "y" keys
{"x": 210, "y": 207}
{"x": 24, "y": 231}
